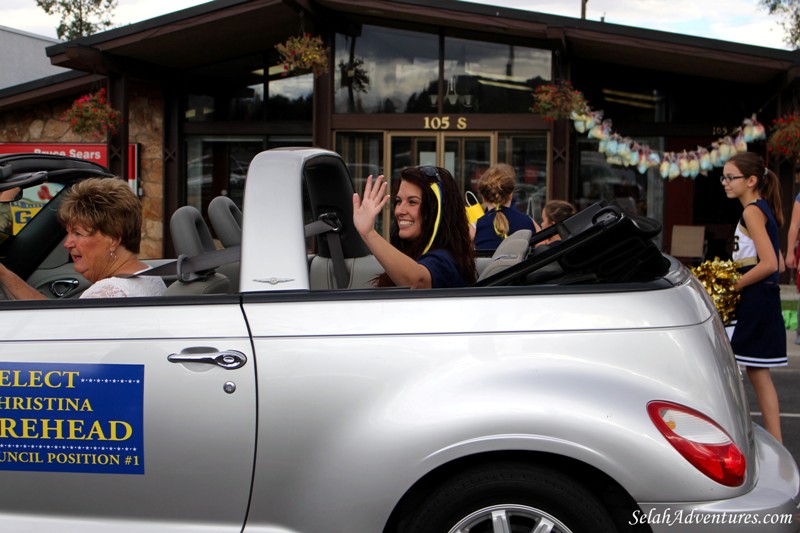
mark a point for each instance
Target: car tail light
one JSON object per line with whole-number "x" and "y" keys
{"x": 701, "y": 441}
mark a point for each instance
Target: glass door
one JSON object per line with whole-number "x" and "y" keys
{"x": 465, "y": 156}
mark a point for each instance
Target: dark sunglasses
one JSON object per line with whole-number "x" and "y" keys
{"x": 431, "y": 172}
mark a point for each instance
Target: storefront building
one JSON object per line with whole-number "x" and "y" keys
{"x": 409, "y": 82}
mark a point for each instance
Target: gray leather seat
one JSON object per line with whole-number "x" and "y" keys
{"x": 226, "y": 219}
{"x": 514, "y": 249}
{"x": 191, "y": 237}
{"x": 361, "y": 272}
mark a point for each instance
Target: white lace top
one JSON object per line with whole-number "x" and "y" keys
{"x": 122, "y": 287}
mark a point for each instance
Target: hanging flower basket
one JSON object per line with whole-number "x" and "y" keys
{"x": 92, "y": 115}
{"x": 303, "y": 54}
{"x": 784, "y": 140}
{"x": 558, "y": 100}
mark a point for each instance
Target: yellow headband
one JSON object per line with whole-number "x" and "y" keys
{"x": 437, "y": 191}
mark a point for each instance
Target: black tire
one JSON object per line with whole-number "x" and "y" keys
{"x": 521, "y": 497}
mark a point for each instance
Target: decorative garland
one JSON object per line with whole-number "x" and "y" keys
{"x": 559, "y": 100}
{"x": 624, "y": 151}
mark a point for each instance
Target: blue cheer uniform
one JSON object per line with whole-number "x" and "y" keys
{"x": 485, "y": 236}
{"x": 759, "y": 337}
{"x": 443, "y": 268}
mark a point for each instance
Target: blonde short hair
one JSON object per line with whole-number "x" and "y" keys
{"x": 107, "y": 205}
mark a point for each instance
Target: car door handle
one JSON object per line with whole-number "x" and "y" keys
{"x": 62, "y": 287}
{"x": 228, "y": 359}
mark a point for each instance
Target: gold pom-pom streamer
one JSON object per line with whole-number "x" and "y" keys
{"x": 718, "y": 277}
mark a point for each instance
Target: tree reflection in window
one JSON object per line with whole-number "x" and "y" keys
{"x": 387, "y": 70}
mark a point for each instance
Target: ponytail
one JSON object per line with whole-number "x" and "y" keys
{"x": 770, "y": 189}
{"x": 500, "y": 222}
{"x": 769, "y": 186}
{"x": 496, "y": 186}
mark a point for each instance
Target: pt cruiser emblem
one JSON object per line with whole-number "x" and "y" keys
{"x": 274, "y": 281}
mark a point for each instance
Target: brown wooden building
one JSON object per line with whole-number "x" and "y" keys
{"x": 409, "y": 82}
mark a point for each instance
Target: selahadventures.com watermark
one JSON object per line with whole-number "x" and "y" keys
{"x": 671, "y": 517}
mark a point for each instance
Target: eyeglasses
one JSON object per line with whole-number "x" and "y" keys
{"x": 727, "y": 179}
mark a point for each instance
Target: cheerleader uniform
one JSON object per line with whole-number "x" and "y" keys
{"x": 485, "y": 236}
{"x": 759, "y": 336}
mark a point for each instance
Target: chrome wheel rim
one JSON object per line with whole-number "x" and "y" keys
{"x": 510, "y": 518}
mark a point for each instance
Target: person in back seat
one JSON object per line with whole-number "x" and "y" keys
{"x": 496, "y": 187}
{"x": 430, "y": 244}
{"x": 555, "y": 211}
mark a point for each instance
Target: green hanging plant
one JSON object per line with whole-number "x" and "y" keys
{"x": 92, "y": 115}
{"x": 302, "y": 54}
{"x": 784, "y": 139}
{"x": 558, "y": 100}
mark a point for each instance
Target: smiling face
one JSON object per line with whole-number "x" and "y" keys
{"x": 90, "y": 252}
{"x": 407, "y": 210}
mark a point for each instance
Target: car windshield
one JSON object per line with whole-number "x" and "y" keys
{"x": 16, "y": 209}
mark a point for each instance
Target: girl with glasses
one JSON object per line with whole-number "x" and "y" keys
{"x": 759, "y": 336}
{"x": 429, "y": 244}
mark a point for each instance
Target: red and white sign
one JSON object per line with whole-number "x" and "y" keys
{"x": 97, "y": 153}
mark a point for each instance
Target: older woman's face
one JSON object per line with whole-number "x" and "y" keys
{"x": 90, "y": 251}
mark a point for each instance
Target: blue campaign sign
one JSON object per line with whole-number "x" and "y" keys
{"x": 72, "y": 418}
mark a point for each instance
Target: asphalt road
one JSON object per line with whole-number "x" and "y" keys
{"x": 787, "y": 382}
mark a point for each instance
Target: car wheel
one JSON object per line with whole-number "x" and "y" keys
{"x": 509, "y": 498}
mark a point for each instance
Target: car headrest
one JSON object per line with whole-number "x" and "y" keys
{"x": 226, "y": 219}
{"x": 190, "y": 234}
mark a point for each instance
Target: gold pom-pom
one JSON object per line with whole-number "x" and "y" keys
{"x": 718, "y": 277}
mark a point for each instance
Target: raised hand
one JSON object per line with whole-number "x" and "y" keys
{"x": 366, "y": 209}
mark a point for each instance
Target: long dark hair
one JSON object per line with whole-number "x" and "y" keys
{"x": 453, "y": 232}
{"x": 769, "y": 186}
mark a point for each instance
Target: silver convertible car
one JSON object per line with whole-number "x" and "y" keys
{"x": 585, "y": 388}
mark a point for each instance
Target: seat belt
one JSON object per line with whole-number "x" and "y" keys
{"x": 330, "y": 225}
{"x": 188, "y": 269}
{"x": 195, "y": 267}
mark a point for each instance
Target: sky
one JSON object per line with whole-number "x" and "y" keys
{"x": 741, "y": 21}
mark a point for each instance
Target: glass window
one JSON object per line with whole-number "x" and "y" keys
{"x": 467, "y": 158}
{"x": 291, "y": 98}
{"x": 386, "y": 70}
{"x": 237, "y": 94}
{"x": 528, "y": 155}
{"x": 218, "y": 166}
{"x": 626, "y": 187}
{"x": 362, "y": 153}
{"x": 484, "y": 77}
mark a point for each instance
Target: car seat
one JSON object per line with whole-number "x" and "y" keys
{"x": 226, "y": 219}
{"x": 514, "y": 249}
{"x": 191, "y": 237}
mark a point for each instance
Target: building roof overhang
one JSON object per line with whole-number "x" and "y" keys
{"x": 224, "y": 29}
